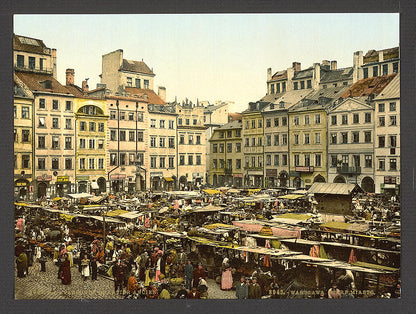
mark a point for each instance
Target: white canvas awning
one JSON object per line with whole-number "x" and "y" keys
{"x": 80, "y": 195}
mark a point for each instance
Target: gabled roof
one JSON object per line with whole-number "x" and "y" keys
{"x": 288, "y": 99}
{"x": 359, "y": 102}
{"x": 392, "y": 90}
{"x": 334, "y": 188}
{"x": 152, "y": 97}
{"x": 42, "y": 82}
{"x": 320, "y": 99}
{"x": 303, "y": 74}
{"x": 28, "y": 44}
{"x": 20, "y": 90}
{"x": 368, "y": 86}
{"x": 256, "y": 106}
{"x": 135, "y": 66}
{"x": 236, "y": 124}
{"x": 336, "y": 75}
{"x": 212, "y": 108}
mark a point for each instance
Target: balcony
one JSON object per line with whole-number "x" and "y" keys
{"x": 348, "y": 170}
{"x": 33, "y": 70}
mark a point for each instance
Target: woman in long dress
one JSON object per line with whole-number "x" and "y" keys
{"x": 227, "y": 277}
{"x": 65, "y": 271}
{"x": 85, "y": 267}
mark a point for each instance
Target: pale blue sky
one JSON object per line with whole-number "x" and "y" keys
{"x": 209, "y": 56}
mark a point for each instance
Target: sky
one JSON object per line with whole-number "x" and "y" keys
{"x": 209, "y": 57}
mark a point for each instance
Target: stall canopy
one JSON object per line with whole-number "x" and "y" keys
{"x": 94, "y": 186}
{"x": 80, "y": 195}
{"x": 116, "y": 213}
{"x": 334, "y": 188}
{"x": 131, "y": 215}
{"x": 291, "y": 196}
{"x": 212, "y": 191}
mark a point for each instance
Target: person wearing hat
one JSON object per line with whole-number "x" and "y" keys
{"x": 182, "y": 293}
{"x": 65, "y": 270}
{"x": 241, "y": 290}
{"x": 199, "y": 273}
{"x": 194, "y": 294}
{"x": 189, "y": 270}
{"x": 254, "y": 291}
{"x": 334, "y": 292}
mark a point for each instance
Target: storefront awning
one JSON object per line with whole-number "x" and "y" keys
{"x": 168, "y": 179}
{"x": 291, "y": 196}
{"x": 80, "y": 195}
{"x": 389, "y": 186}
{"x": 212, "y": 191}
{"x": 94, "y": 186}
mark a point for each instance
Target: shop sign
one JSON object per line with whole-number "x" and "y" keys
{"x": 237, "y": 175}
{"x": 44, "y": 178}
{"x": 83, "y": 178}
{"x": 117, "y": 176}
{"x": 304, "y": 169}
{"x": 156, "y": 174}
{"x": 22, "y": 176}
{"x": 62, "y": 178}
{"x": 271, "y": 172}
{"x": 389, "y": 180}
{"x": 21, "y": 183}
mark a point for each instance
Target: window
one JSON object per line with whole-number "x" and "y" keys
{"x": 190, "y": 139}
{"x": 146, "y": 84}
{"x": 296, "y": 160}
{"x": 302, "y": 84}
{"x": 129, "y": 81}
{"x": 152, "y": 162}
{"x": 131, "y": 136}
{"x": 253, "y": 141}
{"x": 68, "y": 142}
{"x": 194, "y": 121}
{"x": 82, "y": 126}
{"x": 171, "y": 162}
{"x": 91, "y": 143}
{"x": 268, "y": 160}
{"x": 221, "y": 163}
{"x": 308, "y": 84}
{"x": 276, "y": 160}
{"x": 25, "y": 135}
{"x": 381, "y": 141}
{"x": 25, "y": 161}
{"x": 284, "y": 121}
{"x": 247, "y": 142}
{"x": 162, "y": 124}
{"x": 137, "y": 81}
{"x": 365, "y": 72}
{"x": 395, "y": 67}
{"x": 272, "y": 89}
{"x": 101, "y": 144}
{"x": 393, "y": 120}
{"x": 345, "y": 160}
{"x": 237, "y": 147}
{"x": 284, "y": 139}
{"x": 318, "y": 160}
{"x": 317, "y": 138}
{"x": 162, "y": 141}
{"x": 367, "y": 136}
{"x": 260, "y": 123}
{"x": 41, "y": 142}
{"x": 393, "y": 164}
{"x": 68, "y": 124}
{"x": 375, "y": 71}
{"x": 100, "y": 127}
{"x": 283, "y": 86}
{"x": 198, "y": 140}
{"x": 91, "y": 163}
{"x": 393, "y": 141}
{"x": 55, "y": 104}
{"x": 191, "y": 160}
{"x": 122, "y": 135}
{"x": 381, "y": 164}
{"x": 153, "y": 141}
{"x": 246, "y": 126}
{"x": 344, "y": 119}
{"x": 296, "y": 139}
{"x": 214, "y": 148}
{"x": 152, "y": 123}
{"x": 82, "y": 143}
{"x": 140, "y": 116}
{"x": 276, "y": 140}
{"x": 296, "y": 120}
{"x": 284, "y": 160}
{"x": 15, "y": 135}
{"x": 171, "y": 142}
{"x": 355, "y": 118}
{"x": 253, "y": 161}
{"x": 318, "y": 119}
{"x": 268, "y": 123}
{"x": 187, "y": 121}
{"x": 381, "y": 108}
{"x": 123, "y": 159}
{"x": 368, "y": 161}
{"x": 253, "y": 124}
{"x": 198, "y": 160}
{"x": 182, "y": 139}
{"x": 277, "y": 88}
{"x": 333, "y": 138}
{"x": 31, "y": 62}
{"x": 295, "y": 85}
{"x": 247, "y": 162}
{"x": 214, "y": 163}
{"x": 131, "y": 116}
{"x": 55, "y": 163}
{"x": 238, "y": 163}
{"x": 324, "y": 86}
{"x": 92, "y": 126}
{"x": 367, "y": 117}
{"x": 276, "y": 121}
{"x": 55, "y": 123}
{"x": 162, "y": 162}
{"x": 260, "y": 161}
{"x": 381, "y": 121}
{"x": 334, "y": 160}
{"x": 229, "y": 147}
{"x": 222, "y": 134}
{"x": 268, "y": 140}
{"x": 171, "y": 124}
{"x": 392, "y": 106}
{"x": 55, "y": 142}
{"x": 355, "y": 137}
{"x": 113, "y": 159}
{"x": 20, "y": 61}
{"x": 100, "y": 163}
{"x": 259, "y": 141}
{"x": 41, "y": 164}
{"x": 307, "y": 160}
{"x": 306, "y": 138}
{"x": 113, "y": 136}
{"x": 122, "y": 115}
{"x": 180, "y": 121}
{"x": 25, "y": 112}
{"x": 344, "y": 138}
{"x": 385, "y": 69}
{"x": 221, "y": 148}
{"x": 306, "y": 119}
{"x": 140, "y": 136}
{"x": 68, "y": 105}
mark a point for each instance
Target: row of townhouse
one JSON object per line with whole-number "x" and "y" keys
{"x": 121, "y": 136}
{"x": 342, "y": 127}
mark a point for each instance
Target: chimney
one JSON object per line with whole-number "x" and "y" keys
{"x": 296, "y": 66}
{"x": 380, "y": 56}
{"x": 290, "y": 73}
{"x": 316, "y": 75}
{"x": 333, "y": 65}
{"x": 85, "y": 85}
{"x": 326, "y": 64}
{"x": 53, "y": 55}
{"x": 357, "y": 63}
{"x": 162, "y": 93}
{"x": 269, "y": 74}
{"x": 70, "y": 76}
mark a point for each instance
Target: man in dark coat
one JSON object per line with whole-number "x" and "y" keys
{"x": 119, "y": 271}
{"x": 21, "y": 263}
{"x": 65, "y": 270}
{"x": 189, "y": 270}
{"x": 198, "y": 273}
{"x": 194, "y": 294}
{"x": 254, "y": 291}
{"x": 93, "y": 264}
{"x": 241, "y": 290}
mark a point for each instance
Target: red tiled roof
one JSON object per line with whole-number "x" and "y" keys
{"x": 152, "y": 97}
{"x": 34, "y": 83}
{"x": 371, "y": 85}
{"x": 77, "y": 92}
{"x": 135, "y": 66}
